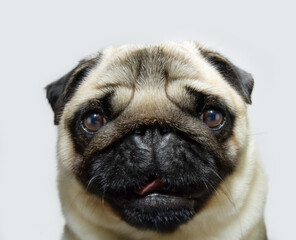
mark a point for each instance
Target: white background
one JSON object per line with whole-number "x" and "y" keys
{"x": 42, "y": 40}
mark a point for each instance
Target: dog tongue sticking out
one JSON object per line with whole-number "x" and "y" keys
{"x": 156, "y": 184}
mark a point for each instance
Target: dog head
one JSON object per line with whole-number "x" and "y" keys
{"x": 152, "y": 130}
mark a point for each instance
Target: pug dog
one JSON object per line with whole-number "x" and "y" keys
{"x": 154, "y": 143}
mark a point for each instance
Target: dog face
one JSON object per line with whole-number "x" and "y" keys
{"x": 152, "y": 130}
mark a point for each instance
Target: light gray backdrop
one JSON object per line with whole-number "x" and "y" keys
{"x": 42, "y": 40}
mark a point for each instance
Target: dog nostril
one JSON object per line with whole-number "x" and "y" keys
{"x": 140, "y": 131}
{"x": 163, "y": 130}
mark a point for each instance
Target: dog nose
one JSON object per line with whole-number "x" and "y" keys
{"x": 160, "y": 130}
{"x": 148, "y": 136}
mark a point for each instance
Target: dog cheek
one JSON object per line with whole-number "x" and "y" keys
{"x": 241, "y": 131}
{"x": 66, "y": 152}
{"x": 231, "y": 149}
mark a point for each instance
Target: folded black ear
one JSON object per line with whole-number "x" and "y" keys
{"x": 242, "y": 81}
{"x": 60, "y": 92}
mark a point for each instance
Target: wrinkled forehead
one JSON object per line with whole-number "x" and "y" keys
{"x": 162, "y": 70}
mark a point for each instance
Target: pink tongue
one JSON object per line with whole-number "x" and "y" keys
{"x": 156, "y": 184}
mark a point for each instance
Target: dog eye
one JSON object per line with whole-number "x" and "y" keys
{"x": 92, "y": 122}
{"x": 213, "y": 118}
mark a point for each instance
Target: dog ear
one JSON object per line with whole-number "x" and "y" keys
{"x": 60, "y": 92}
{"x": 241, "y": 80}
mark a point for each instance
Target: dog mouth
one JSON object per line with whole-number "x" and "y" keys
{"x": 158, "y": 206}
{"x": 156, "y": 184}
{"x": 157, "y": 187}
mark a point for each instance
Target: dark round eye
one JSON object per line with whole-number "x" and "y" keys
{"x": 92, "y": 122}
{"x": 213, "y": 118}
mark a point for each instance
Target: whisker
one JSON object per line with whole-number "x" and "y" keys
{"x": 257, "y": 134}
{"x": 90, "y": 182}
{"x": 103, "y": 198}
{"x": 206, "y": 186}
